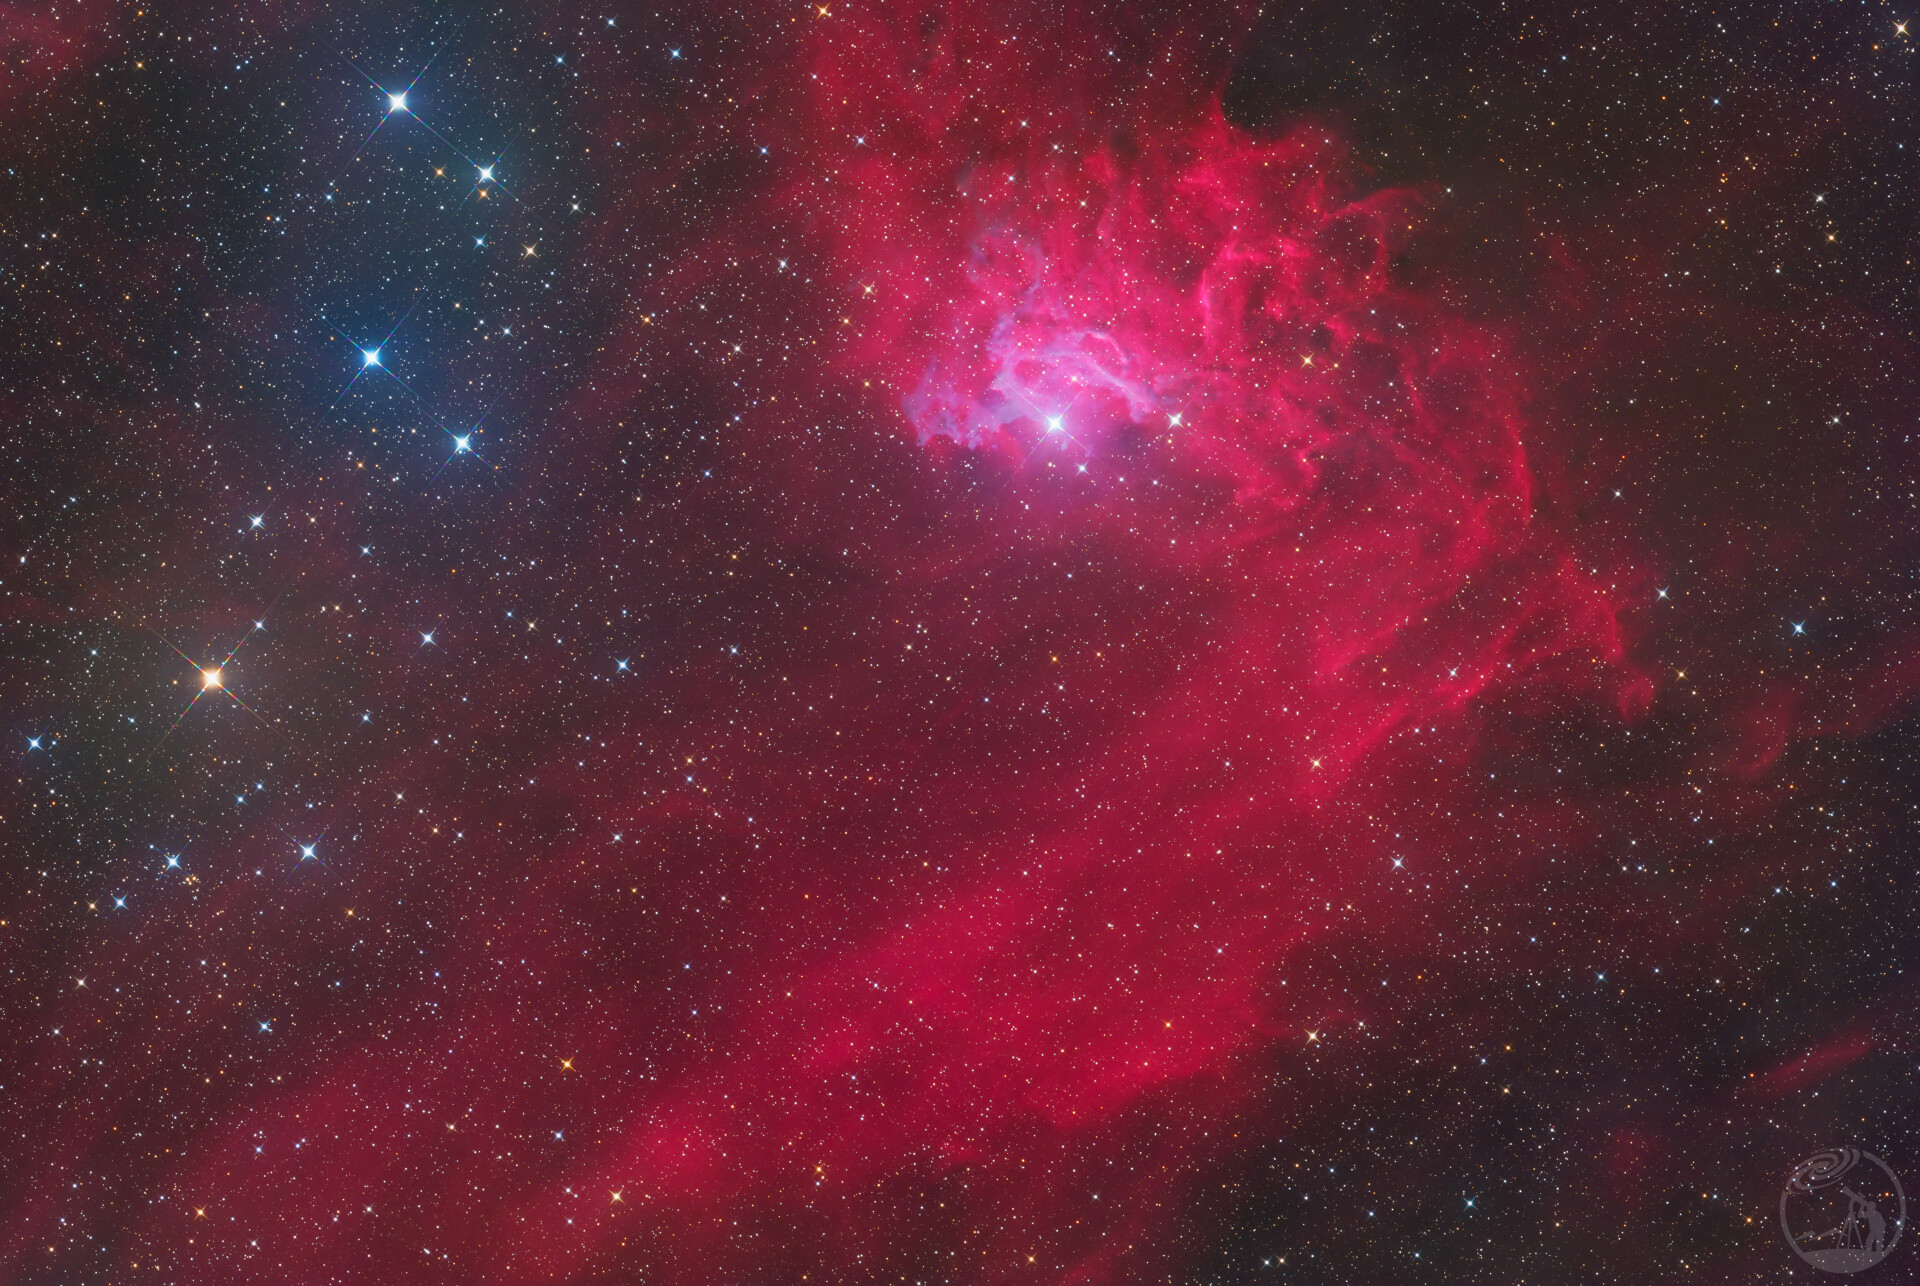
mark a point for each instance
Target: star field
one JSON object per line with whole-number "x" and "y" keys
{"x": 927, "y": 643}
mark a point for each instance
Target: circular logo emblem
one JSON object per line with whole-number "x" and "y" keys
{"x": 1843, "y": 1210}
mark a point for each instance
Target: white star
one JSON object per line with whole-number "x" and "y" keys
{"x": 1054, "y": 422}
{"x": 397, "y": 102}
{"x": 372, "y": 356}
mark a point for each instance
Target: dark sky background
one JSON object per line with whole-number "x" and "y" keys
{"x": 1043, "y": 643}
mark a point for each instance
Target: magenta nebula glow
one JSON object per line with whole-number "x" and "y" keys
{"x": 1084, "y": 644}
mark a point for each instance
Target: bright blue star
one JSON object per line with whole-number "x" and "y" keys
{"x": 1799, "y": 627}
{"x": 372, "y": 356}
